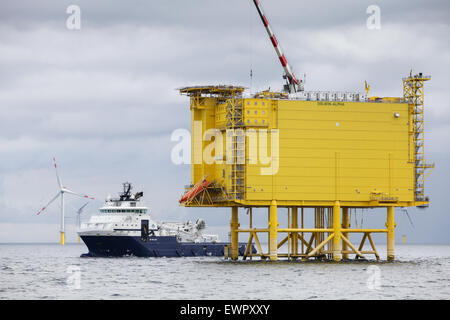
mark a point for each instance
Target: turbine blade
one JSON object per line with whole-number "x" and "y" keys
{"x": 77, "y": 194}
{"x": 57, "y": 175}
{"x": 409, "y": 218}
{"x": 45, "y": 207}
{"x": 82, "y": 208}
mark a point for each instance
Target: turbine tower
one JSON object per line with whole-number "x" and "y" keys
{"x": 79, "y": 212}
{"x": 61, "y": 192}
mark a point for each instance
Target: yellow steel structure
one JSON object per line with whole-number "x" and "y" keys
{"x": 414, "y": 95}
{"x": 268, "y": 150}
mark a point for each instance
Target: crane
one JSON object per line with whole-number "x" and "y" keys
{"x": 292, "y": 83}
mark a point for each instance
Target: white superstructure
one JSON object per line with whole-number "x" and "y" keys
{"x": 123, "y": 217}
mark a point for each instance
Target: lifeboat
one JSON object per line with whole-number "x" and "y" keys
{"x": 199, "y": 187}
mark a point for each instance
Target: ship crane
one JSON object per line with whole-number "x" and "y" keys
{"x": 292, "y": 83}
{"x": 188, "y": 231}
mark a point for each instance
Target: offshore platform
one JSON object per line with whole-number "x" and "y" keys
{"x": 313, "y": 152}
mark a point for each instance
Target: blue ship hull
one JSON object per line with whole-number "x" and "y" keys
{"x": 155, "y": 246}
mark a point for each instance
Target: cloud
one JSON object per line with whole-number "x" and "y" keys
{"x": 103, "y": 99}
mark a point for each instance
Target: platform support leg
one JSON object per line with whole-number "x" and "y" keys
{"x": 294, "y": 246}
{"x": 345, "y": 225}
{"x": 234, "y": 225}
{"x": 303, "y": 235}
{"x": 337, "y": 253}
{"x": 273, "y": 224}
{"x": 390, "y": 224}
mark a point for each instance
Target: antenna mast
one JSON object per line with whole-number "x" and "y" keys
{"x": 293, "y": 85}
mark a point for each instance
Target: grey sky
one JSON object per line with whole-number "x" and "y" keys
{"x": 102, "y": 100}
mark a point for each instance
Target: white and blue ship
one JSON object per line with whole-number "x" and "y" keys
{"x": 124, "y": 227}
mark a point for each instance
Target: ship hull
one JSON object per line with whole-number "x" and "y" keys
{"x": 155, "y": 246}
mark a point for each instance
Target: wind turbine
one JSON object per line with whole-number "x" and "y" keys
{"x": 79, "y": 212}
{"x": 61, "y": 192}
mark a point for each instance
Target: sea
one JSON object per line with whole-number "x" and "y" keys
{"x": 51, "y": 271}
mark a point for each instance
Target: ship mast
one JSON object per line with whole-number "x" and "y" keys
{"x": 293, "y": 84}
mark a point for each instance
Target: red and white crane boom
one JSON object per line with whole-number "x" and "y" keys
{"x": 293, "y": 84}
